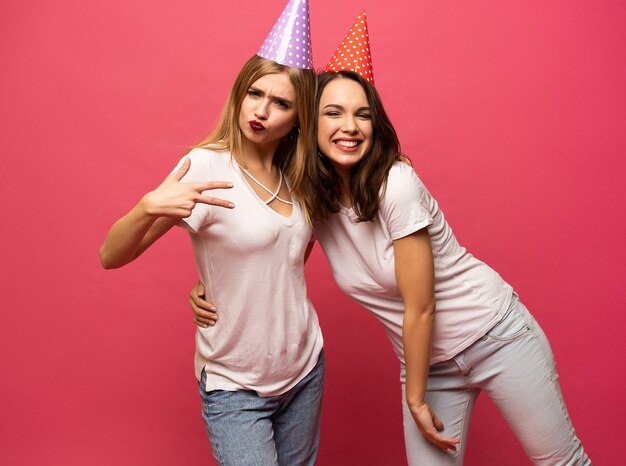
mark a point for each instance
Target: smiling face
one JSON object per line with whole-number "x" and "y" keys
{"x": 268, "y": 111}
{"x": 344, "y": 130}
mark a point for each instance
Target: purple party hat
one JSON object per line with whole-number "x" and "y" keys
{"x": 289, "y": 42}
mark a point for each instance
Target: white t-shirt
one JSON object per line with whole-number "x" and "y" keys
{"x": 251, "y": 260}
{"x": 470, "y": 296}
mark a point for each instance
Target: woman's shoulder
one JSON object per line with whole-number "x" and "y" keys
{"x": 205, "y": 161}
{"x": 202, "y": 153}
{"x": 405, "y": 203}
{"x": 209, "y": 158}
{"x": 401, "y": 177}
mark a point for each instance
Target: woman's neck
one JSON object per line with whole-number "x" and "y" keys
{"x": 258, "y": 156}
{"x": 345, "y": 198}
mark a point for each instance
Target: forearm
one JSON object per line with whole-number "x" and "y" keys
{"x": 415, "y": 276}
{"x": 155, "y": 214}
{"x": 415, "y": 273}
{"x": 124, "y": 240}
{"x": 416, "y": 335}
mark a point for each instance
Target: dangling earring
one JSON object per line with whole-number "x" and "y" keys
{"x": 294, "y": 133}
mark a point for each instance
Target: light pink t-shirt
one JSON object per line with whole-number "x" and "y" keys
{"x": 470, "y": 296}
{"x": 251, "y": 260}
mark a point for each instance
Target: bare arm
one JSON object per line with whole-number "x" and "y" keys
{"x": 415, "y": 277}
{"x": 155, "y": 214}
{"x": 131, "y": 235}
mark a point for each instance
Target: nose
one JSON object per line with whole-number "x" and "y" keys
{"x": 262, "y": 109}
{"x": 349, "y": 125}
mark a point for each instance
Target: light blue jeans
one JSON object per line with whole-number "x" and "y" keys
{"x": 245, "y": 429}
{"x": 513, "y": 364}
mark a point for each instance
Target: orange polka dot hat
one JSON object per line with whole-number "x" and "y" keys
{"x": 354, "y": 52}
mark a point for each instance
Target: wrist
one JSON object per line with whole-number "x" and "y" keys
{"x": 416, "y": 404}
{"x": 146, "y": 205}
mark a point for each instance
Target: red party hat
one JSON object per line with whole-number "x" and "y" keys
{"x": 354, "y": 52}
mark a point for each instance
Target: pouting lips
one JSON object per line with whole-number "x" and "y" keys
{"x": 256, "y": 125}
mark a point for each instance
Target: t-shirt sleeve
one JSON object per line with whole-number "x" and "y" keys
{"x": 197, "y": 173}
{"x": 404, "y": 206}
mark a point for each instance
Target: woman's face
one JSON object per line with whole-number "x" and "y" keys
{"x": 344, "y": 130}
{"x": 269, "y": 109}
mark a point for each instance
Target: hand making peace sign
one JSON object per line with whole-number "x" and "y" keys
{"x": 173, "y": 198}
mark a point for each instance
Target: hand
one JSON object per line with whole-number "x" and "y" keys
{"x": 404, "y": 159}
{"x": 429, "y": 425}
{"x": 175, "y": 199}
{"x": 204, "y": 313}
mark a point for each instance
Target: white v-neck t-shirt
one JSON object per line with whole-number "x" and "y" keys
{"x": 470, "y": 296}
{"x": 251, "y": 260}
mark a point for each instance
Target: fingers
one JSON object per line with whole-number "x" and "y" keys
{"x": 204, "y": 322}
{"x": 208, "y": 185}
{"x": 204, "y": 313}
{"x": 440, "y": 441}
{"x": 203, "y": 317}
{"x": 182, "y": 171}
{"x": 199, "y": 301}
{"x": 216, "y": 201}
{"x": 437, "y": 423}
{"x": 201, "y": 187}
{"x": 197, "y": 296}
{"x": 428, "y": 424}
{"x": 444, "y": 443}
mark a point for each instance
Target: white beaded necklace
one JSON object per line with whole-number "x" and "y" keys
{"x": 274, "y": 195}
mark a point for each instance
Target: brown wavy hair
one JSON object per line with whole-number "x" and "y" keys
{"x": 318, "y": 187}
{"x": 227, "y": 135}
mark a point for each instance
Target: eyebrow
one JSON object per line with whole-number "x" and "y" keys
{"x": 276, "y": 97}
{"x": 360, "y": 109}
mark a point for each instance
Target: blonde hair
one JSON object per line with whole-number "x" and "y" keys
{"x": 227, "y": 135}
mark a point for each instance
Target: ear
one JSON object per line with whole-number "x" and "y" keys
{"x": 295, "y": 132}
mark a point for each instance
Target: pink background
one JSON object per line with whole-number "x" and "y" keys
{"x": 513, "y": 113}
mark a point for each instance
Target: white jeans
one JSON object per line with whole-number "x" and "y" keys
{"x": 513, "y": 364}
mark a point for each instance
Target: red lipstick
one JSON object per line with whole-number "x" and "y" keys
{"x": 256, "y": 125}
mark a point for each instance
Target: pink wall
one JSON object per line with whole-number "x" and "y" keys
{"x": 513, "y": 112}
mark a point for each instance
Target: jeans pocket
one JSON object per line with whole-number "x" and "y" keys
{"x": 513, "y": 325}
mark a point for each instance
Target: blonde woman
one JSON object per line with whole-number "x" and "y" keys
{"x": 261, "y": 376}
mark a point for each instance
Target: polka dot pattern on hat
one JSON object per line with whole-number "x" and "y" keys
{"x": 289, "y": 41}
{"x": 354, "y": 52}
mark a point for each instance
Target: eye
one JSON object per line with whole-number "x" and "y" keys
{"x": 364, "y": 116}
{"x": 253, "y": 93}
{"x": 282, "y": 104}
{"x": 331, "y": 113}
